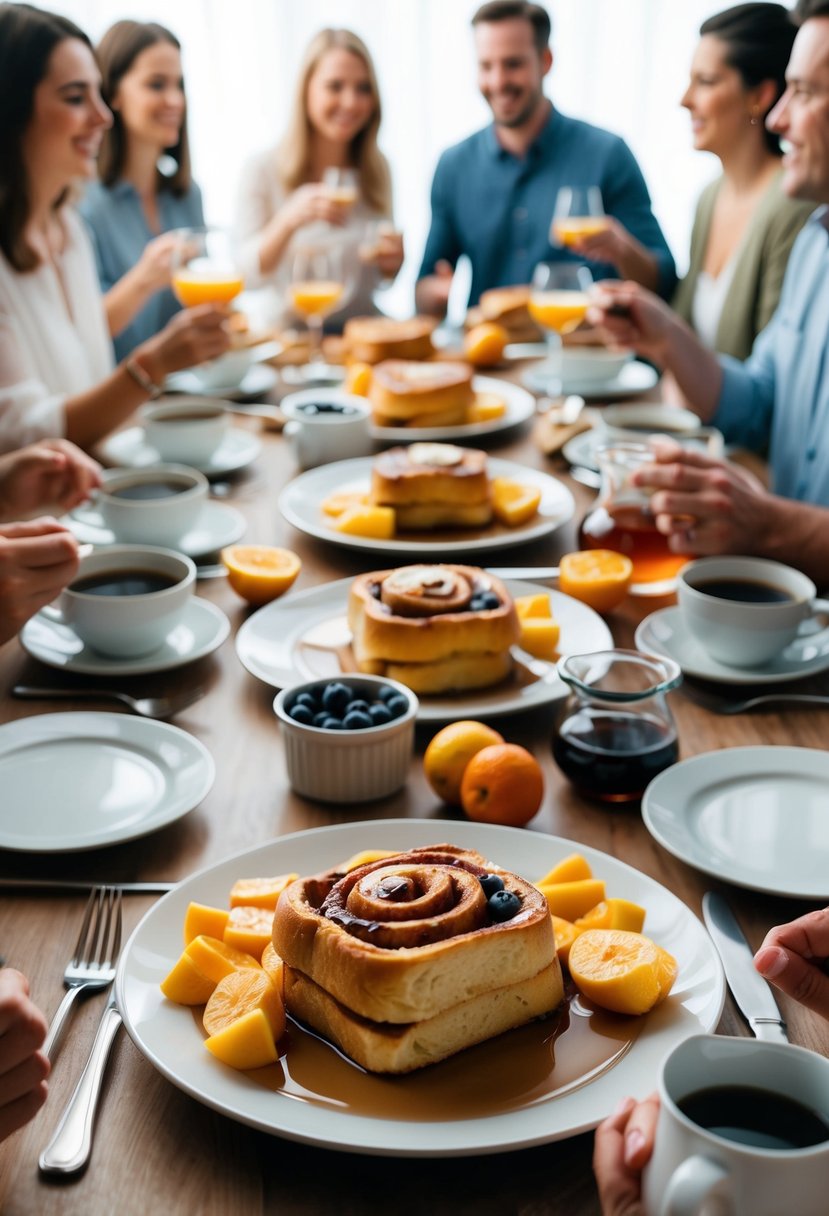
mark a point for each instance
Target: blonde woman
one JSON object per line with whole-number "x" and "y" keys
{"x": 284, "y": 200}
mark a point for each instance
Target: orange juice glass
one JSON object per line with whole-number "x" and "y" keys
{"x": 558, "y": 302}
{"x": 561, "y": 311}
{"x": 571, "y": 229}
{"x": 204, "y": 268}
{"x": 316, "y": 297}
{"x": 204, "y": 287}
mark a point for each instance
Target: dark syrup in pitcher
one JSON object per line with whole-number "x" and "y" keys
{"x": 613, "y": 755}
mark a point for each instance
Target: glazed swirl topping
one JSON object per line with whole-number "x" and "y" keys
{"x": 409, "y": 903}
{"x": 425, "y": 591}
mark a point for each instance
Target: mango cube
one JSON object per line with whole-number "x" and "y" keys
{"x": 376, "y": 522}
{"x": 570, "y": 900}
{"x": 570, "y": 869}
{"x": 186, "y": 985}
{"x": 201, "y": 919}
{"x": 258, "y": 892}
{"x": 216, "y": 959}
{"x": 246, "y": 1043}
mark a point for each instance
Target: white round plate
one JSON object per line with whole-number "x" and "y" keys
{"x": 257, "y": 380}
{"x": 129, "y": 450}
{"x": 202, "y": 630}
{"x": 754, "y": 816}
{"x": 81, "y": 780}
{"x": 301, "y": 505}
{"x": 634, "y": 378}
{"x": 664, "y": 632}
{"x": 218, "y": 525}
{"x": 169, "y": 1038}
{"x": 520, "y": 406}
{"x": 301, "y": 636}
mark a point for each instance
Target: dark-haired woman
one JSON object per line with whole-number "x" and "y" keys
{"x": 744, "y": 226}
{"x": 131, "y": 211}
{"x": 56, "y": 365}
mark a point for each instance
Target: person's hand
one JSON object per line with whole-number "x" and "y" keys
{"x": 309, "y": 204}
{"x": 154, "y": 267}
{"x": 622, "y": 1149}
{"x": 613, "y": 244}
{"x": 52, "y": 475}
{"x": 703, "y": 505}
{"x": 192, "y": 336}
{"x": 23, "y": 1068}
{"x": 433, "y": 289}
{"x": 793, "y": 957}
{"x": 389, "y": 256}
{"x": 37, "y": 560}
{"x": 632, "y": 316}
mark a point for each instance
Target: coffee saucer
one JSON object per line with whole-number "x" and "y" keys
{"x": 201, "y": 630}
{"x": 257, "y": 381}
{"x": 217, "y": 526}
{"x": 665, "y": 633}
{"x": 129, "y": 450}
{"x": 633, "y": 379}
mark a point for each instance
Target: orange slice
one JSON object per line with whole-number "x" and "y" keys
{"x": 377, "y": 522}
{"x": 273, "y": 967}
{"x": 514, "y": 503}
{"x": 539, "y": 637}
{"x": 622, "y": 971}
{"x": 240, "y": 993}
{"x": 249, "y": 930}
{"x": 484, "y": 344}
{"x": 571, "y": 900}
{"x": 486, "y": 407}
{"x": 216, "y": 959}
{"x": 358, "y": 379}
{"x": 246, "y": 1043}
{"x": 535, "y": 606}
{"x": 260, "y": 573}
{"x": 259, "y": 892}
{"x": 337, "y": 504}
{"x": 569, "y": 869}
{"x": 565, "y": 934}
{"x": 598, "y": 577}
{"x": 186, "y": 985}
{"x": 202, "y": 920}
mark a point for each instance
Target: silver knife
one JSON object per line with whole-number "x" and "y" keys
{"x": 60, "y": 884}
{"x": 537, "y": 574}
{"x": 751, "y": 992}
{"x": 71, "y": 1145}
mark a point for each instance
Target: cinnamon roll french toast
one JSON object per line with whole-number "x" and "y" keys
{"x": 435, "y": 628}
{"x": 373, "y": 339}
{"x": 433, "y": 485}
{"x": 406, "y": 960}
{"x": 404, "y": 393}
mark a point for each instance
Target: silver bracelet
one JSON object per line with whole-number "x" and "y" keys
{"x": 136, "y": 371}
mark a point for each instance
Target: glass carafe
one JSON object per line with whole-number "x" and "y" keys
{"x": 621, "y": 519}
{"x": 615, "y": 732}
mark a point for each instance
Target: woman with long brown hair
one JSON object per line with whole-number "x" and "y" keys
{"x": 284, "y": 200}
{"x": 145, "y": 188}
{"x": 56, "y": 365}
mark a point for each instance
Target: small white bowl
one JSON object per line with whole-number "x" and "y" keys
{"x": 653, "y": 418}
{"x": 228, "y": 371}
{"x": 347, "y": 765}
{"x": 588, "y": 365}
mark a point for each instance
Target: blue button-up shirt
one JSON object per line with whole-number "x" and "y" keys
{"x": 779, "y": 398}
{"x": 118, "y": 227}
{"x": 497, "y": 208}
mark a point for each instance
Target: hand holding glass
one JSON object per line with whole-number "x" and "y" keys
{"x": 579, "y": 213}
{"x": 341, "y": 186}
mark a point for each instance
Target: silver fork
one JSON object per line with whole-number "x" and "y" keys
{"x": 92, "y": 965}
{"x": 145, "y": 707}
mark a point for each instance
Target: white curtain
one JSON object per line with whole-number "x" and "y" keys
{"x": 622, "y": 64}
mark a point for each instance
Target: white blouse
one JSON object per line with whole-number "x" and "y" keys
{"x": 709, "y": 300}
{"x": 260, "y": 195}
{"x": 54, "y": 340}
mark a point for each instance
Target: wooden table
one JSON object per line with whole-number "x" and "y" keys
{"x": 158, "y": 1150}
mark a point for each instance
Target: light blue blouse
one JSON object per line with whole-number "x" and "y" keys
{"x": 780, "y": 396}
{"x": 119, "y": 231}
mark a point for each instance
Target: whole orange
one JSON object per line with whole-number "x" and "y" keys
{"x": 450, "y": 751}
{"x": 502, "y": 784}
{"x": 484, "y": 344}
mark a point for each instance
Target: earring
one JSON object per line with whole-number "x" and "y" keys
{"x": 755, "y": 118}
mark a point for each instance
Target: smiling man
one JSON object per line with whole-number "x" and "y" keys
{"x": 493, "y": 195}
{"x": 778, "y": 400}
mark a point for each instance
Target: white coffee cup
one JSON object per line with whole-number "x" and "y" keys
{"x": 745, "y": 632}
{"x": 339, "y": 428}
{"x": 126, "y": 625}
{"x": 228, "y": 371}
{"x": 695, "y": 1171}
{"x": 154, "y": 506}
{"x": 186, "y": 430}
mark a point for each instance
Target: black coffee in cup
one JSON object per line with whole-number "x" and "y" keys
{"x": 140, "y": 490}
{"x": 757, "y": 1117}
{"x": 312, "y": 408}
{"x": 124, "y": 582}
{"x": 744, "y": 591}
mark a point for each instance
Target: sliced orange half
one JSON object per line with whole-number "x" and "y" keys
{"x": 260, "y": 573}
{"x": 598, "y": 577}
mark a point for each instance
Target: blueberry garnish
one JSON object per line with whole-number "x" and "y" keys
{"x": 321, "y": 718}
{"x": 387, "y": 693}
{"x": 358, "y": 705}
{"x": 335, "y": 697}
{"x": 307, "y": 698}
{"x": 476, "y": 604}
{"x": 332, "y": 724}
{"x": 355, "y": 719}
{"x": 301, "y": 713}
{"x": 491, "y": 883}
{"x": 503, "y": 905}
{"x": 397, "y": 705}
{"x": 379, "y": 714}
{"x": 490, "y": 600}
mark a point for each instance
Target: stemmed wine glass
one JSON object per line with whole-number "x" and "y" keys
{"x": 204, "y": 267}
{"x": 320, "y": 284}
{"x": 558, "y": 303}
{"x": 579, "y": 212}
{"x": 342, "y": 186}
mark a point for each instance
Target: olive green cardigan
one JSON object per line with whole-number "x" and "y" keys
{"x": 758, "y": 274}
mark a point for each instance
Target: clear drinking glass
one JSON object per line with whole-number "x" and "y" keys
{"x": 342, "y": 186}
{"x": 578, "y": 212}
{"x": 615, "y": 732}
{"x": 205, "y": 268}
{"x": 319, "y": 286}
{"x": 558, "y": 303}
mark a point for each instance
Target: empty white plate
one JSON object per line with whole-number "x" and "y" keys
{"x": 754, "y": 816}
{"x": 81, "y": 780}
